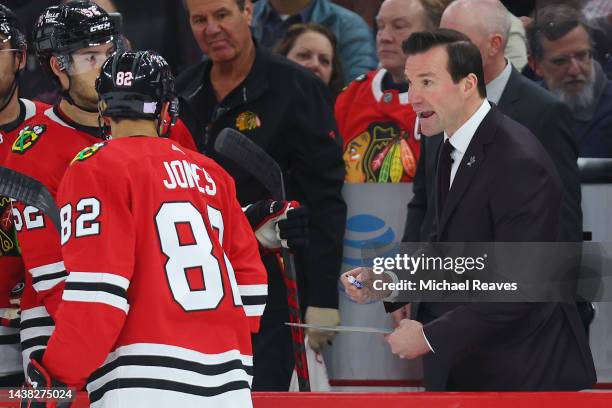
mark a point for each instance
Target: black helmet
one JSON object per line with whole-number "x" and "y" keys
{"x": 135, "y": 85}
{"x": 63, "y": 29}
{"x": 11, "y": 29}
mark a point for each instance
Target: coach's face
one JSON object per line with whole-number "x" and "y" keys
{"x": 437, "y": 100}
{"x": 220, "y": 27}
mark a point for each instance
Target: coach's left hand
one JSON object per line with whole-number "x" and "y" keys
{"x": 408, "y": 340}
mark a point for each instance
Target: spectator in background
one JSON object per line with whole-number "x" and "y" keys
{"x": 516, "y": 47}
{"x": 521, "y": 99}
{"x": 376, "y": 123}
{"x": 271, "y": 18}
{"x": 366, "y": 9}
{"x": 562, "y": 52}
{"x": 598, "y": 22}
{"x": 314, "y": 47}
{"x": 288, "y": 112}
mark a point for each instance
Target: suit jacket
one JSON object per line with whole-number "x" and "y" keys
{"x": 503, "y": 346}
{"x": 549, "y": 120}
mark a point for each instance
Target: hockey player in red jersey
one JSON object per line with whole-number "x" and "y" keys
{"x": 165, "y": 281}
{"x": 45, "y": 147}
{"x": 71, "y": 41}
{"x": 13, "y": 112}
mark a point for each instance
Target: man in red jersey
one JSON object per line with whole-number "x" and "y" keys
{"x": 71, "y": 42}
{"x": 13, "y": 113}
{"x": 374, "y": 118}
{"x": 165, "y": 281}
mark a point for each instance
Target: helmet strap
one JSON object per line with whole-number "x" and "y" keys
{"x": 65, "y": 94}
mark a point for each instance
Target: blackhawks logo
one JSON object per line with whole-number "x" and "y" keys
{"x": 247, "y": 121}
{"x": 28, "y": 136}
{"x": 88, "y": 152}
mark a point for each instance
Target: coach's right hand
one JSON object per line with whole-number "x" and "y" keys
{"x": 366, "y": 277}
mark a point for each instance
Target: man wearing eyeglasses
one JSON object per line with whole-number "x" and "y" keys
{"x": 561, "y": 53}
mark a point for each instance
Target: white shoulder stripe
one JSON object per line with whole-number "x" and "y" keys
{"x": 47, "y": 269}
{"x": 30, "y": 108}
{"x": 377, "y": 84}
{"x": 47, "y": 284}
{"x": 99, "y": 277}
{"x": 253, "y": 290}
{"x": 96, "y": 297}
{"x": 254, "y": 310}
{"x": 51, "y": 115}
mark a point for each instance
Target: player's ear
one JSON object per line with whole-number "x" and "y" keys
{"x": 58, "y": 69}
{"x": 21, "y": 59}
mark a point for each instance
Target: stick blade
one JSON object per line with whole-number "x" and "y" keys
{"x": 29, "y": 191}
{"x": 241, "y": 150}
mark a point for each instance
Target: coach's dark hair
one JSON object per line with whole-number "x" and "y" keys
{"x": 552, "y": 22}
{"x": 463, "y": 56}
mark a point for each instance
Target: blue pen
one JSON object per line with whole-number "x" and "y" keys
{"x": 355, "y": 282}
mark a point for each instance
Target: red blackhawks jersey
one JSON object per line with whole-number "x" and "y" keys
{"x": 11, "y": 265}
{"x": 43, "y": 149}
{"x": 165, "y": 281}
{"x": 378, "y": 131}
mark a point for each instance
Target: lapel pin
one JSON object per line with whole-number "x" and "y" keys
{"x": 471, "y": 161}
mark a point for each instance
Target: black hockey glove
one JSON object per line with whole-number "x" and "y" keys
{"x": 279, "y": 223}
{"x": 38, "y": 378}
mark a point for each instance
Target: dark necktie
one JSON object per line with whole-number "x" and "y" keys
{"x": 444, "y": 172}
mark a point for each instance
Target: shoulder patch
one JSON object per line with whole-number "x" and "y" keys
{"x": 88, "y": 152}
{"x": 28, "y": 136}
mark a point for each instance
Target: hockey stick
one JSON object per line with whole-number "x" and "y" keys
{"x": 233, "y": 145}
{"x": 30, "y": 192}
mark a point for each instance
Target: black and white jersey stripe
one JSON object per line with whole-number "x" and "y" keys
{"x": 143, "y": 375}
{"x": 253, "y": 298}
{"x": 36, "y": 328}
{"x": 97, "y": 287}
{"x": 30, "y": 108}
{"x": 47, "y": 276}
{"x": 10, "y": 350}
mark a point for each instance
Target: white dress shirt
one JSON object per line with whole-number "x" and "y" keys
{"x": 462, "y": 137}
{"x": 496, "y": 87}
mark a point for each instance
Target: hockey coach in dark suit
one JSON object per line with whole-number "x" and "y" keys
{"x": 484, "y": 346}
